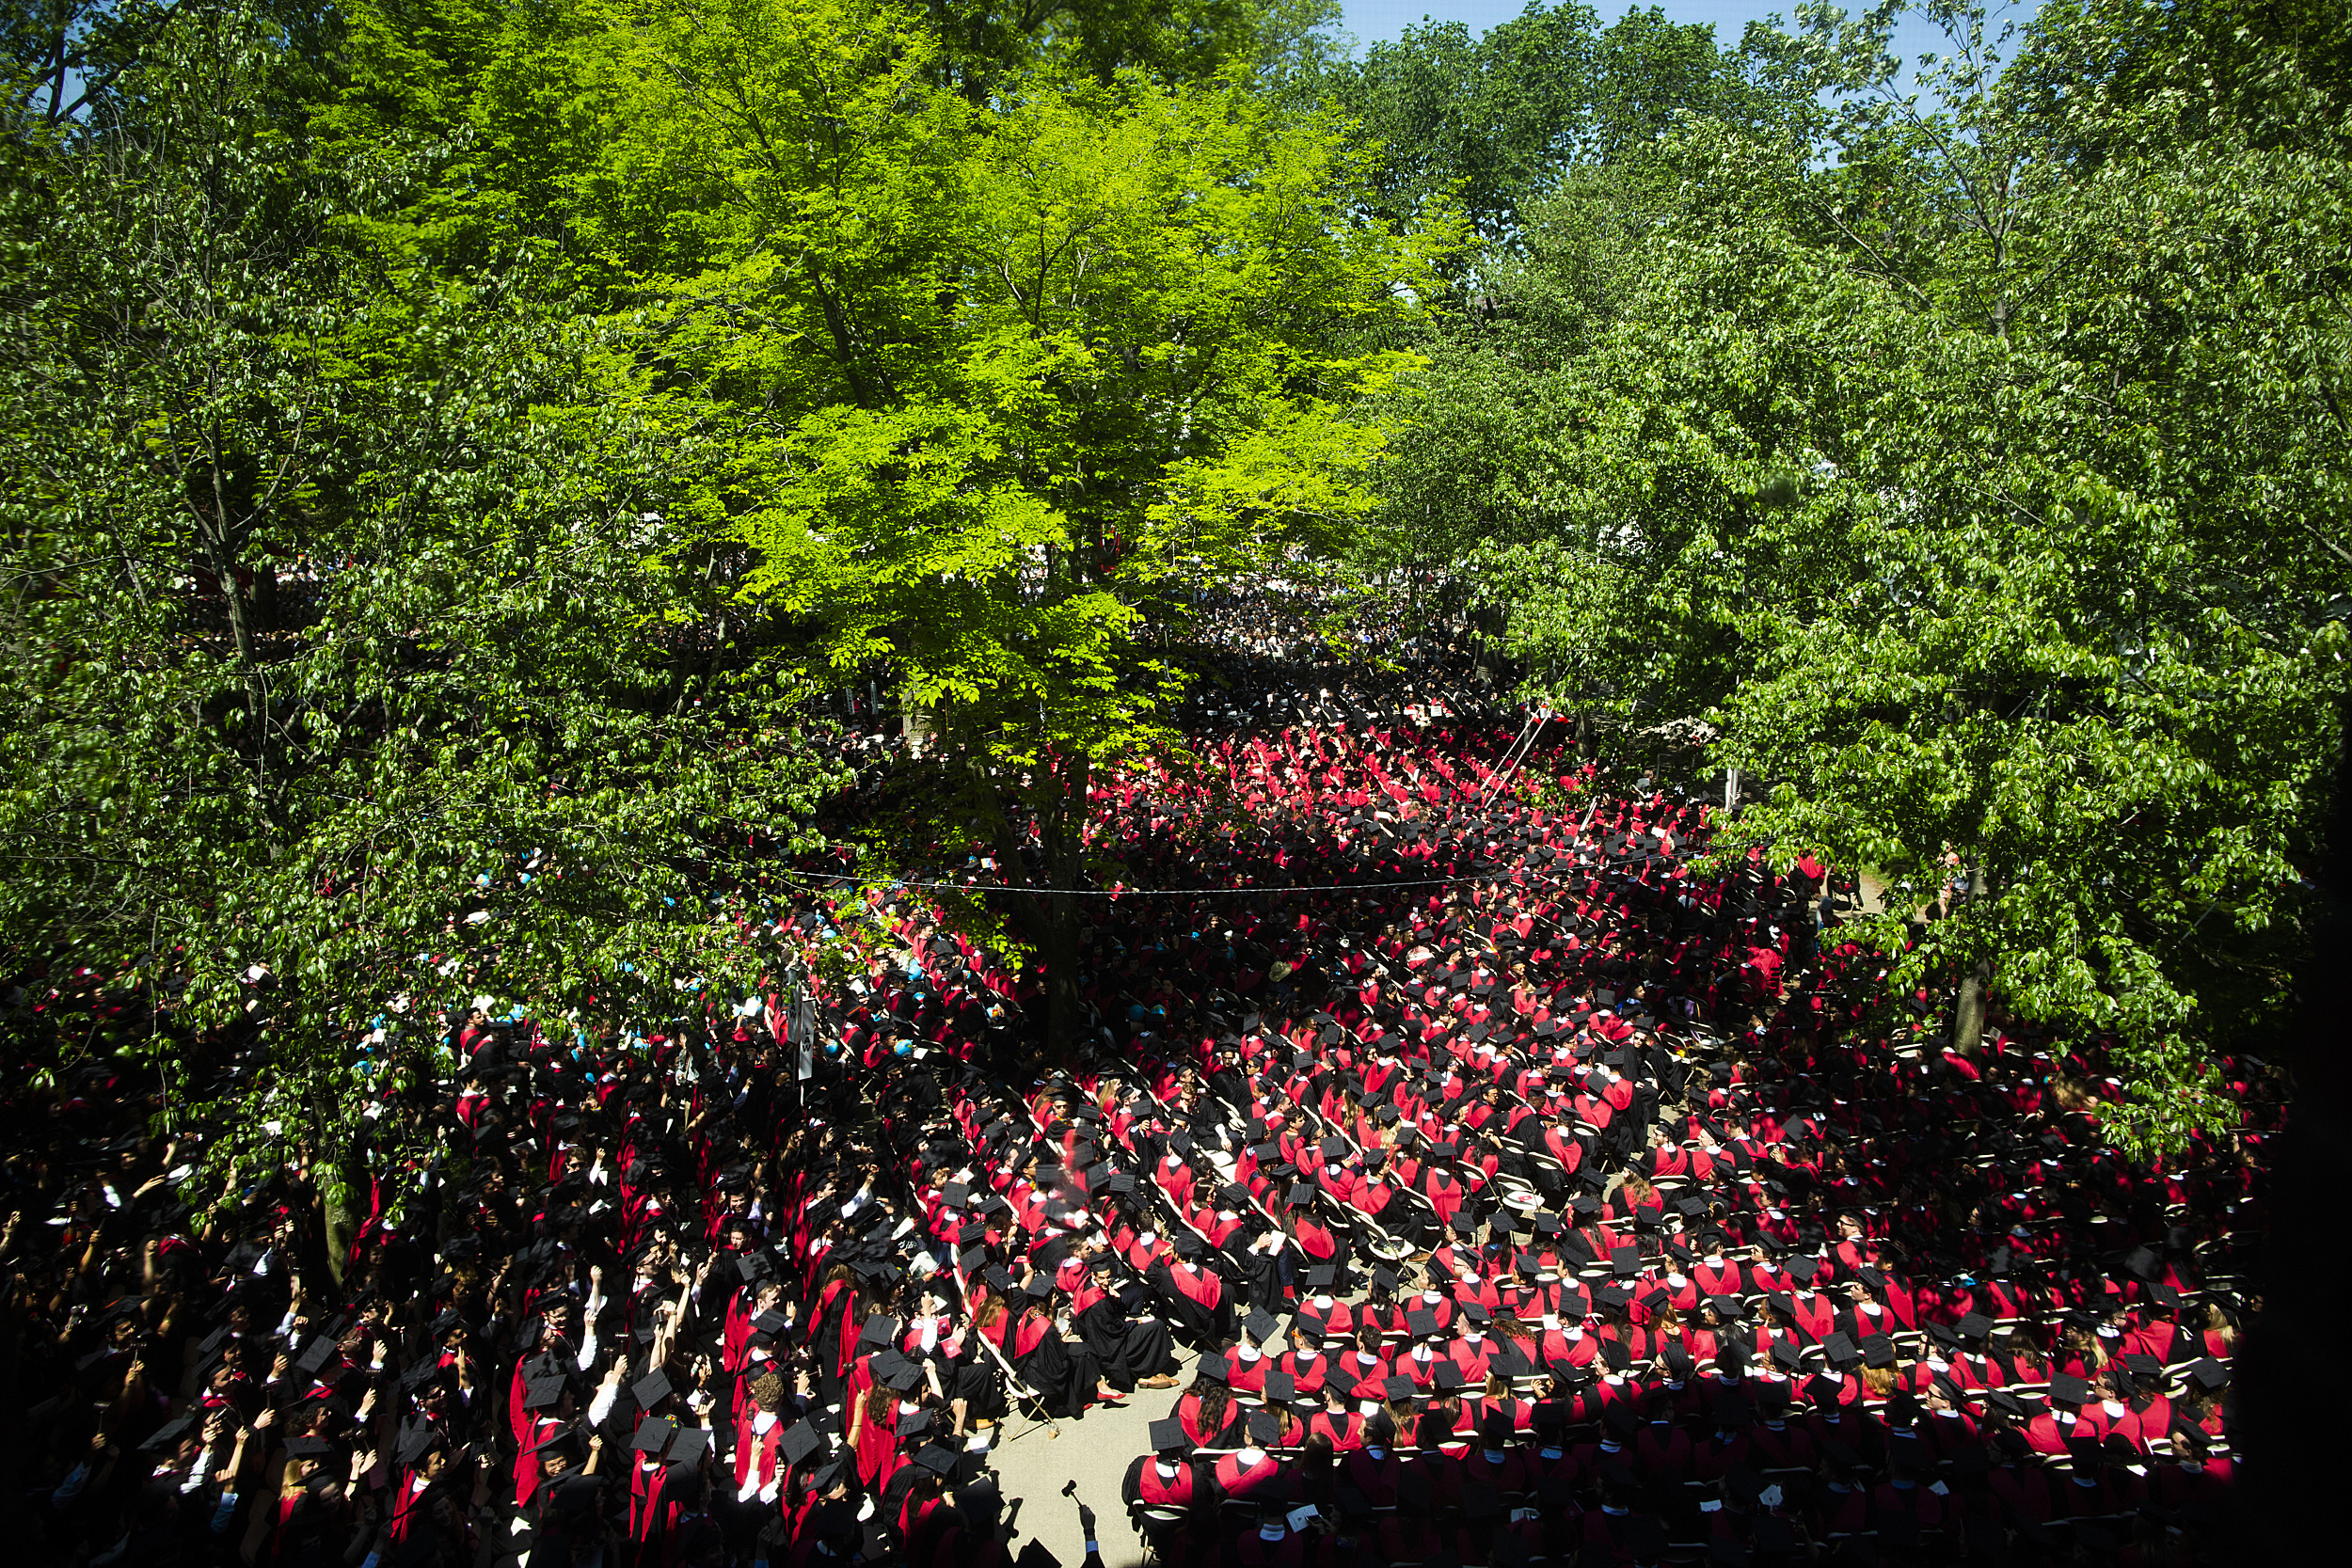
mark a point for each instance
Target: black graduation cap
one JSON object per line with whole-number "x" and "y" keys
{"x": 799, "y": 1440}
{"x": 1280, "y": 1386}
{"x": 310, "y": 1448}
{"x": 1878, "y": 1351}
{"x": 2141, "y": 1262}
{"x": 754, "y": 1267}
{"x": 651, "y": 1390}
{"x": 1420, "y": 1323}
{"x": 1034, "y": 1555}
{"x": 1320, "y": 1277}
{"x": 1975, "y": 1326}
{"x": 689, "y": 1445}
{"x": 1839, "y": 1349}
{"x": 415, "y": 1443}
{"x": 771, "y": 1322}
{"x": 1262, "y": 1326}
{"x": 169, "y": 1432}
{"x": 419, "y": 1373}
{"x": 915, "y": 1425}
{"x": 541, "y": 1392}
{"x": 1266, "y": 1429}
{"x": 653, "y": 1434}
{"x": 1167, "y": 1435}
{"x": 957, "y": 1194}
{"x": 1448, "y": 1376}
{"x": 881, "y": 1328}
{"x": 938, "y": 1459}
{"x": 1214, "y": 1368}
{"x": 314, "y": 1355}
{"x": 2066, "y": 1388}
{"x": 1301, "y": 1194}
{"x": 2206, "y": 1373}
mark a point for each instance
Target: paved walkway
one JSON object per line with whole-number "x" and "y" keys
{"x": 1034, "y": 1465}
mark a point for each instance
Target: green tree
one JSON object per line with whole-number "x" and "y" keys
{"x": 1974, "y": 472}
{"x": 351, "y": 669}
{"x": 1485, "y": 122}
{"x": 1501, "y": 121}
{"x": 1008, "y": 384}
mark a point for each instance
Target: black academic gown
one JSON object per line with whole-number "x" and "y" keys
{"x": 1128, "y": 1349}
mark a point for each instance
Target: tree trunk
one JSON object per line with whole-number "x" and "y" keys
{"x": 925, "y": 727}
{"x": 1056, "y": 803}
{"x": 222, "y": 560}
{"x": 1968, "y": 1010}
{"x": 1065, "y": 1009}
{"x": 343, "y": 1223}
{"x": 1976, "y": 981}
{"x": 1059, "y": 821}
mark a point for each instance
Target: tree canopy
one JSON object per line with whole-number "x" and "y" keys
{"x": 1969, "y": 466}
{"x": 453, "y": 442}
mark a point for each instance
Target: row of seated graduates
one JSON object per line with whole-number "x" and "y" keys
{"x": 2169, "y": 1346}
{"x": 1725, "y": 1076}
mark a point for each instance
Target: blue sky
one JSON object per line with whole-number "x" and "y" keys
{"x": 1371, "y": 19}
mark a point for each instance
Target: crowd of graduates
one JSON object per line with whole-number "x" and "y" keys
{"x": 1468, "y": 1180}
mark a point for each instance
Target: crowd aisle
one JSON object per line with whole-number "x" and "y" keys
{"x": 1507, "y": 1191}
